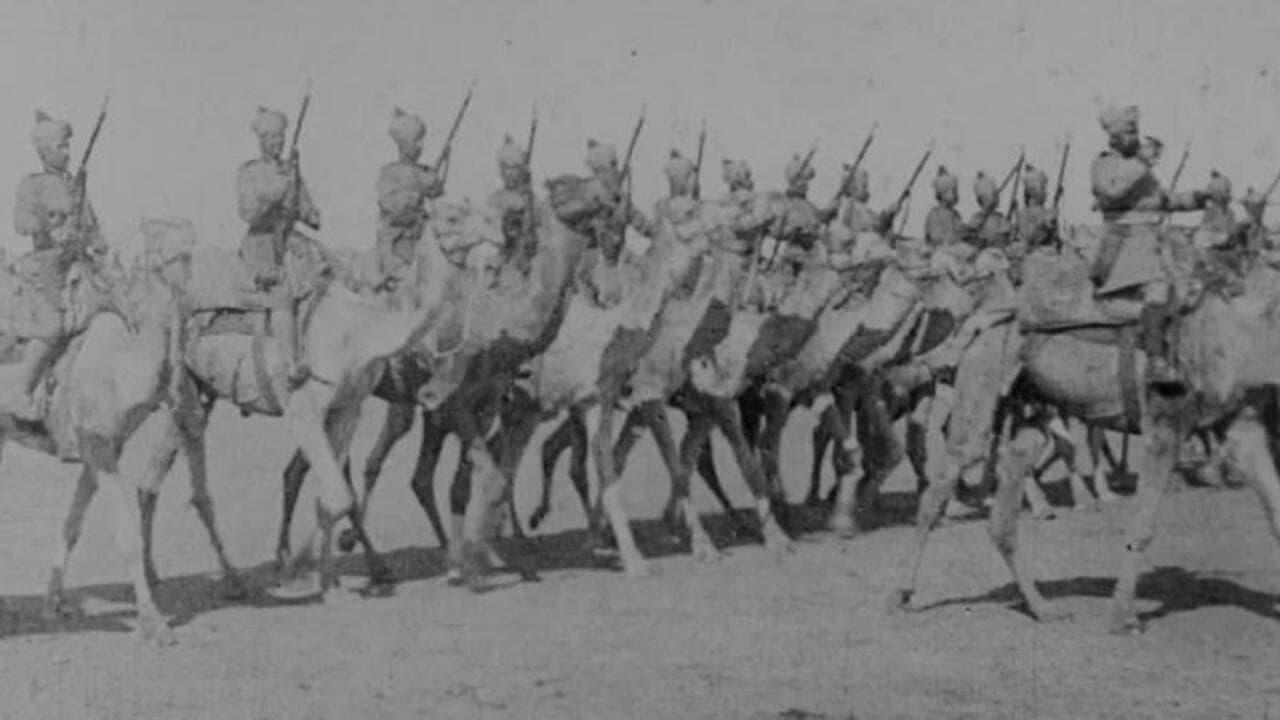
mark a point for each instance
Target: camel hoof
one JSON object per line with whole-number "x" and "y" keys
{"x": 453, "y": 576}
{"x": 56, "y": 609}
{"x": 535, "y": 520}
{"x": 1050, "y": 616}
{"x": 155, "y": 631}
{"x": 705, "y": 551}
{"x": 1044, "y": 514}
{"x": 347, "y": 540}
{"x": 641, "y": 568}
{"x": 381, "y": 577}
{"x": 780, "y": 545}
{"x": 295, "y": 588}
{"x": 1124, "y": 623}
{"x": 234, "y": 587}
{"x": 843, "y": 526}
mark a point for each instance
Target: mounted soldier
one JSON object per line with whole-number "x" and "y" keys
{"x": 1035, "y": 224}
{"x": 943, "y": 226}
{"x": 858, "y": 217}
{"x": 404, "y": 186}
{"x": 512, "y": 203}
{"x": 988, "y": 228}
{"x": 272, "y": 198}
{"x": 1131, "y": 256}
{"x": 53, "y": 209}
{"x": 682, "y": 177}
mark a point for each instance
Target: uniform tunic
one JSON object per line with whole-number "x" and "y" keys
{"x": 261, "y": 185}
{"x": 858, "y": 217}
{"x": 1132, "y": 204}
{"x": 403, "y": 189}
{"x": 942, "y": 227}
{"x": 42, "y": 211}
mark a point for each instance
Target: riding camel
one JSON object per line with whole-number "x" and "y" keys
{"x": 1070, "y": 349}
{"x": 109, "y": 395}
{"x": 346, "y": 338}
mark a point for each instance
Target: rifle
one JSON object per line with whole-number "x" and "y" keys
{"x": 527, "y": 250}
{"x": 915, "y": 175}
{"x": 1173, "y": 183}
{"x": 293, "y": 202}
{"x": 848, "y": 176}
{"x": 81, "y": 182}
{"x": 697, "y": 164}
{"x": 982, "y": 217}
{"x": 1058, "y": 191}
{"x": 779, "y": 224}
{"x": 441, "y": 166}
{"x": 1062, "y": 171}
{"x": 1017, "y": 180}
{"x": 626, "y": 169}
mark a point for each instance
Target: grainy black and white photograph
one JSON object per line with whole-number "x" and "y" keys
{"x": 564, "y": 360}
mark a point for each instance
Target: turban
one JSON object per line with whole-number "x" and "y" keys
{"x": 510, "y": 154}
{"x": 679, "y": 167}
{"x": 735, "y": 172}
{"x": 267, "y": 122}
{"x": 406, "y": 128}
{"x": 1219, "y": 186}
{"x": 1115, "y": 120}
{"x": 944, "y": 182}
{"x": 601, "y": 156}
{"x": 798, "y": 171}
{"x": 49, "y": 132}
{"x": 1253, "y": 201}
{"x": 984, "y": 188}
{"x": 1035, "y": 181}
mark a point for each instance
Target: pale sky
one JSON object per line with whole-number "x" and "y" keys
{"x": 770, "y": 77}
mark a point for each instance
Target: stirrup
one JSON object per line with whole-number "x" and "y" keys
{"x": 298, "y": 375}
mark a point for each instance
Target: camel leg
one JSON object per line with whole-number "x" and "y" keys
{"x": 700, "y": 543}
{"x": 933, "y": 502}
{"x": 769, "y": 499}
{"x": 153, "y": 627}
{"x": 397, "y": 424}
{"x": 1065, "y": 447}
{"x": 294, "y": 475}
{"x": 633, "y": 561}
{"x": 1099, "y": 447}
{"x": 480, "y": 510}
{"x": 576, "y": 429}
{"x": 55, "y": 605}
{"x": 1157, "y": 464}
{"x": 422, "y": 484}
{"x": 823, "y": 435}
{"x": 706, "y": 466}
{"x": 233, "y": 583}
{"x": 1250, "y": 452}
{"x": 881, "y": 454}
{"x": 1011, "y": 479}
{"x": 307, "y": 422}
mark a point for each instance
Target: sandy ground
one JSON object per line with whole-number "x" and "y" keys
{"x": 751, "y": 636}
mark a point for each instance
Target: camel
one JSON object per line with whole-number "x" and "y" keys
{"x": 719, "y": 365}
{"x": 460, "y": 373}
{"x": 1227, "y": 342}
{"x": 106, "y": 399}
{"x": 347, "y": 338}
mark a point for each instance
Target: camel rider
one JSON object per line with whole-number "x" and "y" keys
{"x": 511, "y": 203}
{"x": 799, "y": 226}
{"x": 988, "y": 228}
{"x": 1035, "y": 224}
{"x": 404, "y": 186}
{"x": 45, "y": 210}
{"x": 1250, "y": 232}
{"x": 943, "y": 226}
{"x": 743, "y": 221}
{"x": 1133, "y": 204}
{"x": 272, "y": 197}
{"x": 608, "y": 228}
{"x": 1218, "y": 221}
{"x": 858, "y": 217}
{"x": 679, "y": 205}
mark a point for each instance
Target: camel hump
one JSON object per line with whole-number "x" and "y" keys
{"x": 1057, "y": 293}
